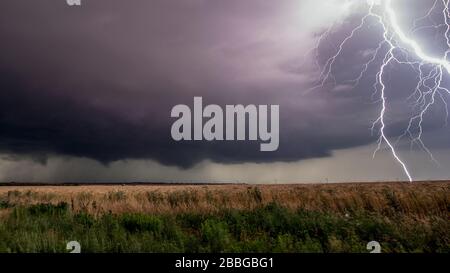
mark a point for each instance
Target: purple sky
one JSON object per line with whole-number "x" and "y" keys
{"x": 86, "y": 92}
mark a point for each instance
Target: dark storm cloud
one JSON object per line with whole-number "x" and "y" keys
{"x": 99, "y": 80}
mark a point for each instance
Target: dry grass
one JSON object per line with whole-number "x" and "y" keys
{"x": 420, "y": 199}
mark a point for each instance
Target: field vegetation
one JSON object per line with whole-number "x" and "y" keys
{"x": 402, "y": 217}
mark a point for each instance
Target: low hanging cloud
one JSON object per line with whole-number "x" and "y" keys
{"x": 99, "y": 81}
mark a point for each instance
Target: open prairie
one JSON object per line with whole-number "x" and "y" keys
{"x": 403, "y": 217}
{"x": 418, "y": 198}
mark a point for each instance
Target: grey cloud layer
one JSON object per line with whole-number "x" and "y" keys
{"x": 99, "y": 81}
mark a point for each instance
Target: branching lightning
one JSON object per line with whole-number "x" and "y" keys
{"x": 398, "y": 48}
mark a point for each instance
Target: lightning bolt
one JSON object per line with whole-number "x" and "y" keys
{"x": 402, "y": 50}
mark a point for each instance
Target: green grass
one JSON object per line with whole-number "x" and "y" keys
{"x": 270, "y": 228}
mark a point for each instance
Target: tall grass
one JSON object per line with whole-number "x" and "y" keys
{"x": 271, "y": 228}
{"x": 421, "y": 199}
{"x": 320, "y": 218}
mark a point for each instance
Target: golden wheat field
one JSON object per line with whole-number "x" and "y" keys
{"x": 418, "y": 198}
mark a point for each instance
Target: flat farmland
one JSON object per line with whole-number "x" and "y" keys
{"x": 403, "y": 217}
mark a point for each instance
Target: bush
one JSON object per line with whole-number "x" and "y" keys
{"x": 215, "y": 235}
{"x": 39, "y": 209}
{"x": 5, "y": 205}
{"x": 84, "y": 219}
{"x": 141, "y": 222}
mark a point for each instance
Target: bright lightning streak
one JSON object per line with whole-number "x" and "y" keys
{"x": 387, "y": 59}
{"x": 417, "y": 50}
{"x": 429, "y": 87}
